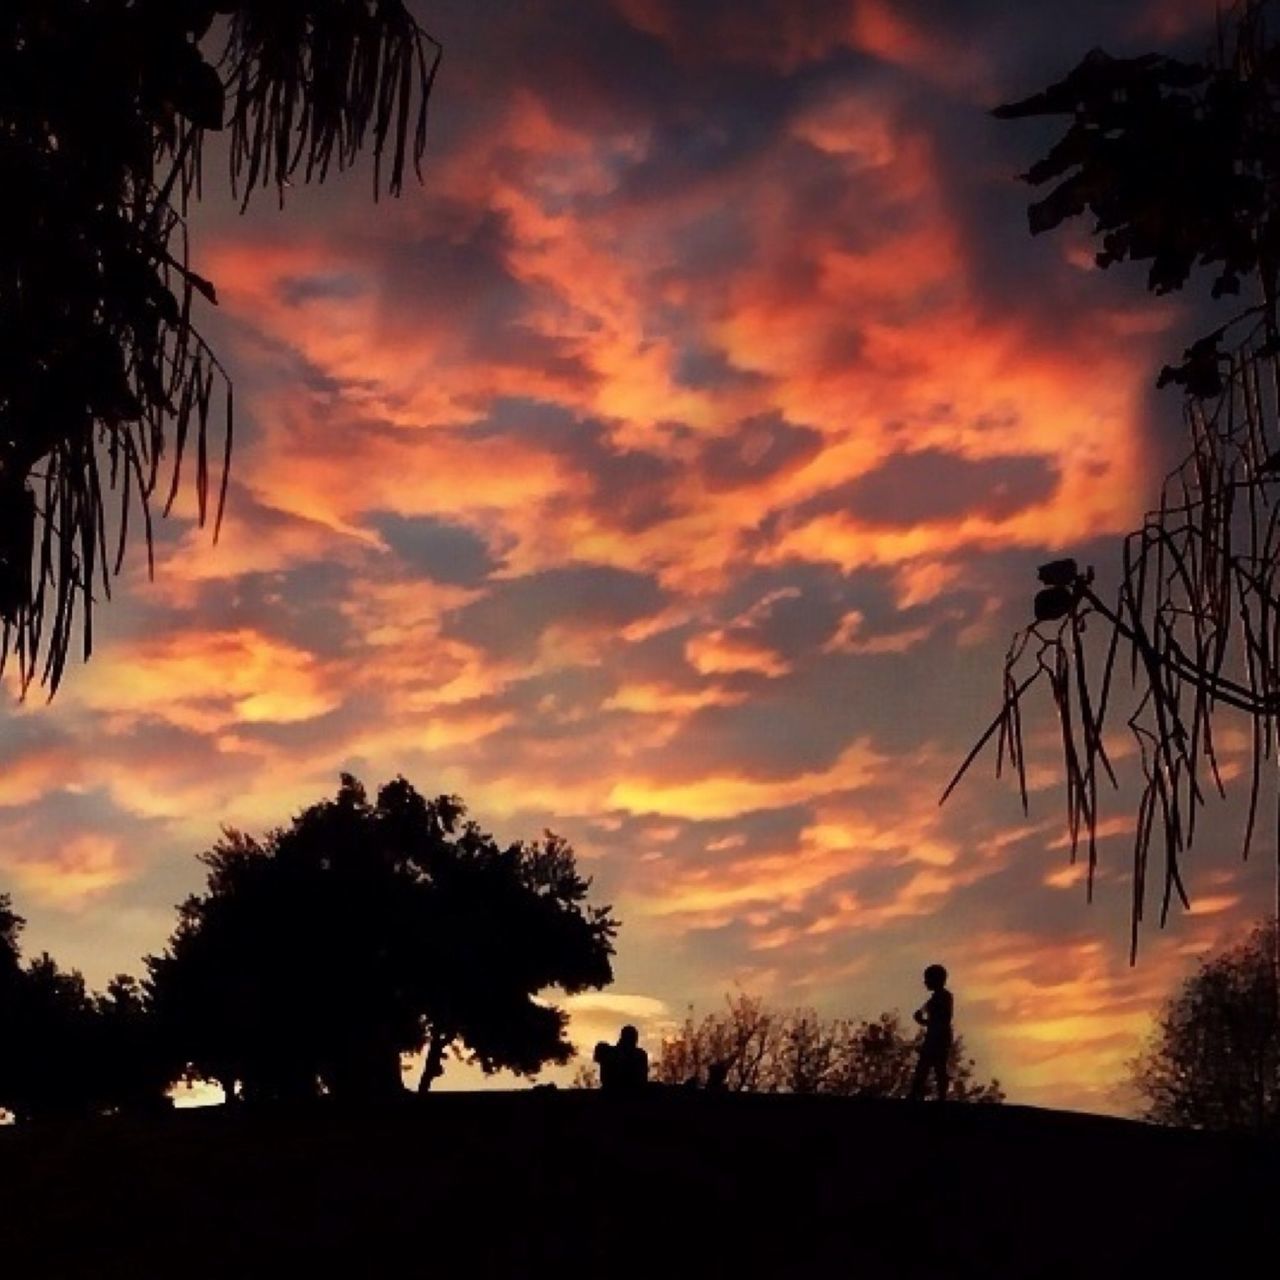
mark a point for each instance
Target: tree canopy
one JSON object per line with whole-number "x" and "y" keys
{"x": 1213, "y": 1061}
{"x": 370, "y": 929}
{"x": 105, "y": 381}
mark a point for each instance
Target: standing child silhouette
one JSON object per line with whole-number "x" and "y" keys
{"x": 935, "y": 1017}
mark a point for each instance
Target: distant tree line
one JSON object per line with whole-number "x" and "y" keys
{"x": 314, "y": 960}
{"x": 749, "y": 1047}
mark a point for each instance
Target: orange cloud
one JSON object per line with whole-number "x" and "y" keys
{"x": 209, "y": 680}
{"x": 26, "y": 776}
{"x": 72, "y": 873}
{"x": 723, "y": 796}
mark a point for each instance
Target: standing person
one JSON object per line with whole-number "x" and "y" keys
{"x": 935, "y": 1017}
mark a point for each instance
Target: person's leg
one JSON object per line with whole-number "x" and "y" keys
{"x": 917, "y": 1081}
{"x": 940, "y": 1070}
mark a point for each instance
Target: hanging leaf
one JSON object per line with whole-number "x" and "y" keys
{"x": 104, "y": 376}
{"x": 197, "y": 91}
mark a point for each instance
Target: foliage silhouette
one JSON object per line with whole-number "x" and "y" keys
{"x": 1178, "y": 163}
{"x": 132, "y": 1067}
{"x": 11, "y": 926}
{"x": 49, "y": 1040}
{"x": 1213, "y": 1061}
{"x": 764, "y": 1050}
{"x": 104, "y": 378}
{"x": 364, "y": 931}
{"x": 64, "y": 1052}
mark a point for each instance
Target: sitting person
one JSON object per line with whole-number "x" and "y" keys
{"x": 718, "y": 1076}
{"x": 624, "y": 1067}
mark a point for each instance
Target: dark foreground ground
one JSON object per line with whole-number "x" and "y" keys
{"x": 572, "y": 1184}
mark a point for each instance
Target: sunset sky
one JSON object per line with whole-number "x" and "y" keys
{"x": 670, "y": 470}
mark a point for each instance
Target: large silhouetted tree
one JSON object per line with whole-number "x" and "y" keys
{"x": 105, "y": 381}
{"x": 758, "y": 1049}
{"x": 364, "y": 931}
{"x": 1213, "y": 1061}
{"x": 1178, "y": 164}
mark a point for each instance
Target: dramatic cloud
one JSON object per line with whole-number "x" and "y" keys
{"x": 669, "y": 470}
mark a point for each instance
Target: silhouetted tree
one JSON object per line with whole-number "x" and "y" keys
{"x": 132, "y": 1067}
{"x": 362, "y": 932}
{"x": 11, "y": 926}
{"x": 1213, "y": 1061}
{"x": 46, "y": 1042}
{"x": 64, "y": 1051}
{"x": 1178, "y": 164}
{"x": 763, "y": 1050}
{"x": 104, "y": 105}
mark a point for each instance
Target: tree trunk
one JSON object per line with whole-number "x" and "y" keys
{"x": 433, "y": 1067}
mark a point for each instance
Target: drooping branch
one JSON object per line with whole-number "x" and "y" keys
{"x": 1177, "y": 164}
{"x": 106, "y": 386}
{"x": 1197, "y": 611}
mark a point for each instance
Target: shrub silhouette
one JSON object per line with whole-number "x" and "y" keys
{"x": 364, "y": 931}
{"x": 1213, "y": 1061}
{"x": 758, "y": 1049}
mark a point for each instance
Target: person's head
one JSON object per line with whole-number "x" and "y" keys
{"x": 628, "y": 1037}
{"x": 935, "y": 977}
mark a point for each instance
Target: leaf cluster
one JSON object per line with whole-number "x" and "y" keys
{"x": 1175, "y": 162}
{"x": 105, "y": 381}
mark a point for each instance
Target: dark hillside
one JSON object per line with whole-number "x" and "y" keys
{"x": 577, "y": 1185}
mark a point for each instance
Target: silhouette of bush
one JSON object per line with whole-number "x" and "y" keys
{"x": 365, "y": 931}
{"x": 1213, "y": 1061}
{"x": 763, "y": 1050}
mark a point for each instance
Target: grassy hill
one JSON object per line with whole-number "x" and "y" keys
{"x": 535, "y": 1183}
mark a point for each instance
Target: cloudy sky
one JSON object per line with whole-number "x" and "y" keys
{"x": 670, "y": 470}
